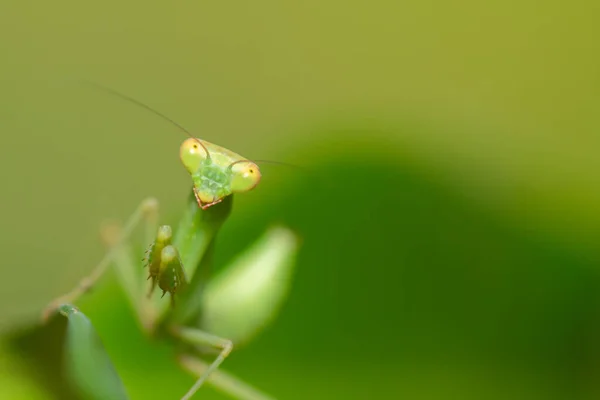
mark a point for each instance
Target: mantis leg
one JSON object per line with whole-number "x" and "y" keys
{"x": 223, "y": 381}
{"x": 231, "y": 385}
{"x": 148, "y": 211}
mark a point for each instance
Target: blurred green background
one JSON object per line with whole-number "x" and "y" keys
{"x": 450, "y": 218}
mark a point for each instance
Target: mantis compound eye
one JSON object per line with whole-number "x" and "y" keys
{"x": 246, "y": 176}
{"x": 192, "y": 152}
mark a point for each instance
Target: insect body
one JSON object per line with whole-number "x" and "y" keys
{"x": 236, "y": 304}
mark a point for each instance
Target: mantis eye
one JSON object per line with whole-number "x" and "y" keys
{"x": 192, "y": 153}
{"x": 246, "y": 176}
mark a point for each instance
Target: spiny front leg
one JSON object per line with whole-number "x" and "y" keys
{"x": 164, "y": 264}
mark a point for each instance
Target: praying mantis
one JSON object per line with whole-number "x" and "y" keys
{"x": 204, "y": 311}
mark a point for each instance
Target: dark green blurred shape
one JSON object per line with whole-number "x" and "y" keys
{"x": 405, "y": 288}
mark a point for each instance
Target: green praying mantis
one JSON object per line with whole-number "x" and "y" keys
{"x": 204, "y": 312}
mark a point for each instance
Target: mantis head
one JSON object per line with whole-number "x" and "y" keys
{"x": 217, "y": 173}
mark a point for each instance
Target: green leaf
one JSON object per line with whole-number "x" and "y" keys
{"x": 240, "y": 301}
{"x": 88, "y": 366}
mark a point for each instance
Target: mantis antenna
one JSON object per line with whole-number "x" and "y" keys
{"x": 269, "y": 162}
{"x": 239, "y": 161}
{"x": 147, "y": 107}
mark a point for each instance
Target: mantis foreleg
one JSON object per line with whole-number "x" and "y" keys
{"x": 146, "y": 211}
{"x": 227, "y": 383}
{"x": 222, "y": 380}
